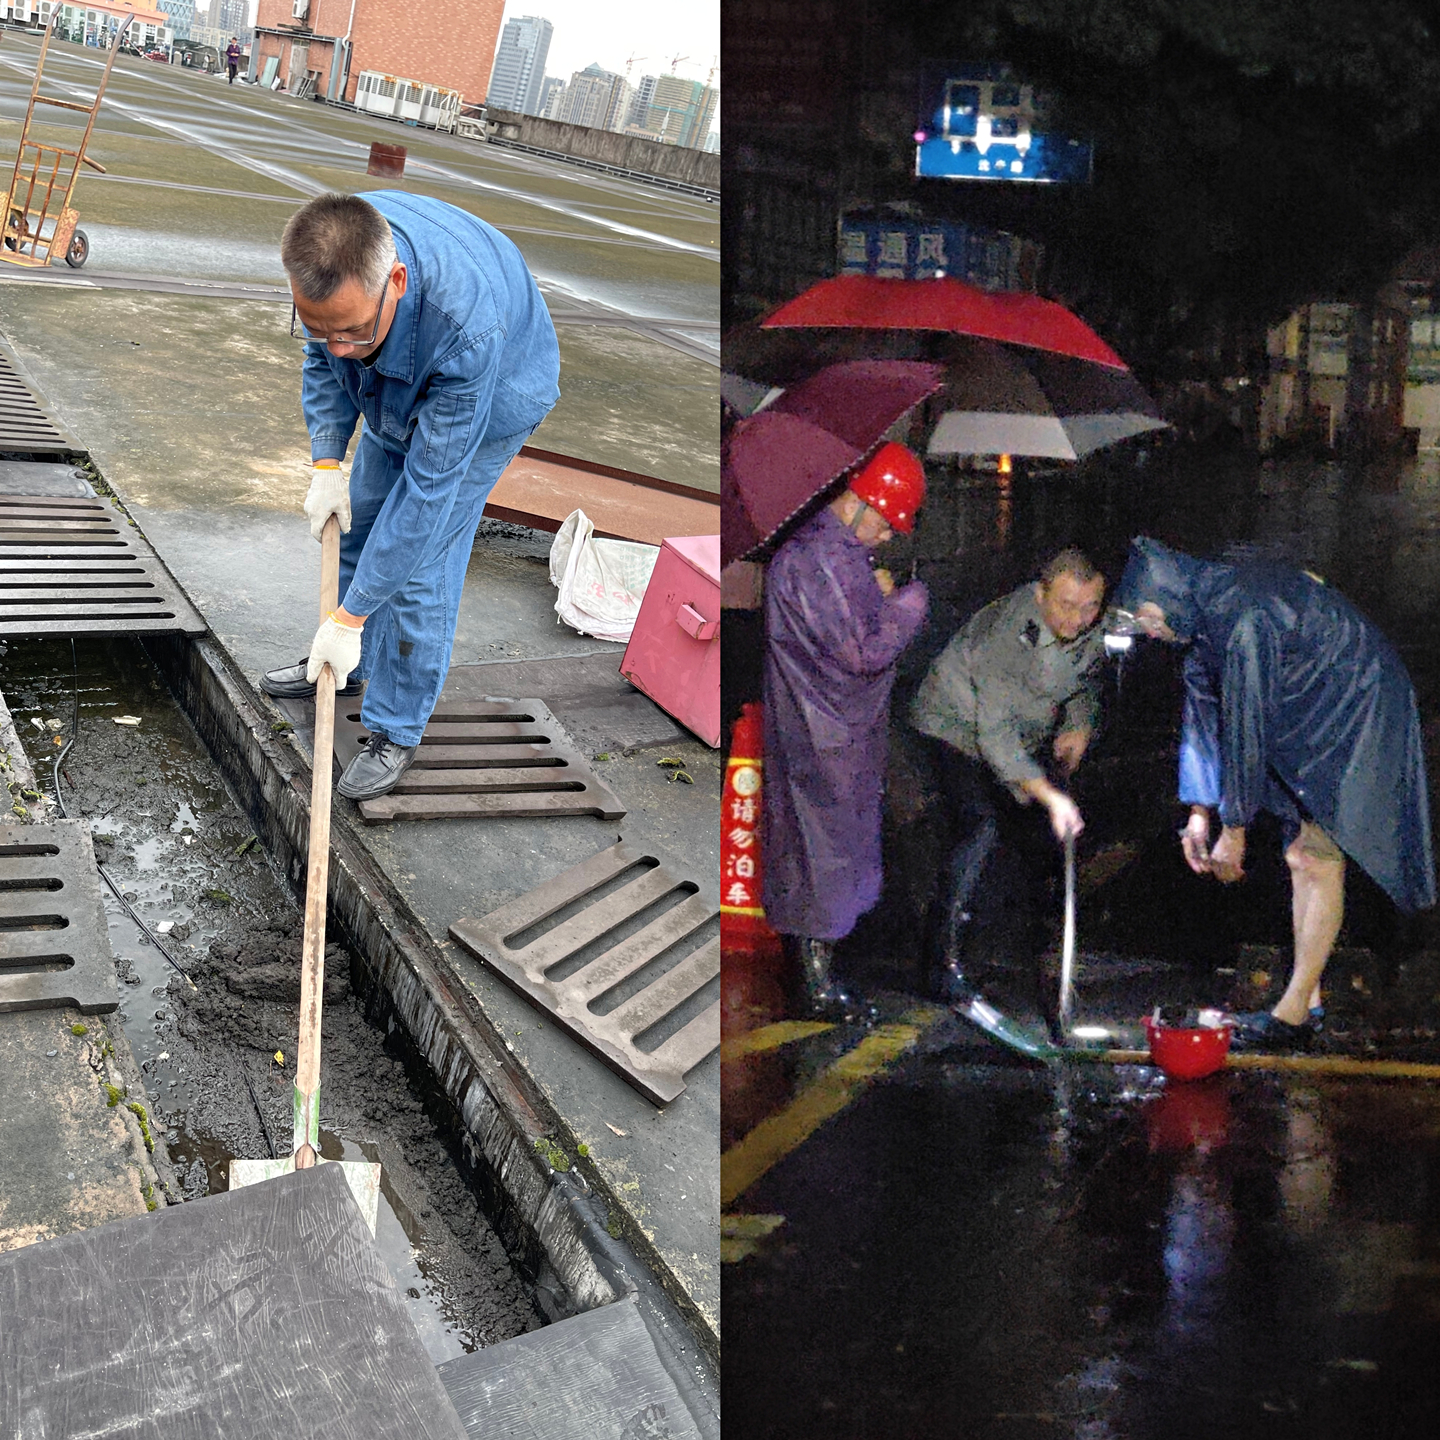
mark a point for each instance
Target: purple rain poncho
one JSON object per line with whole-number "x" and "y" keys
{"x": 1295, "y": 704}
{"x": 832, "y": 645}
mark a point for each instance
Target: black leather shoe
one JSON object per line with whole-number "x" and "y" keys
{"x": 289, "y": 683}
{"x": 375, "y": 770}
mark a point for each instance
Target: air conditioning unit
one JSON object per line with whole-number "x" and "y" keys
{"x": 301, "y": 9}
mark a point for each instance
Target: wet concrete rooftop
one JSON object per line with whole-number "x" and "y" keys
{"x": 203, "y": 175}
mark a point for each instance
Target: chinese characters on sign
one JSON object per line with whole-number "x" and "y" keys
{"x": 904, "y": 249}
{"x": 740, "y": 845}
{"x": 981, "y": 123}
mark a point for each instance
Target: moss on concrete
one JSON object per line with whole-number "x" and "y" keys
{"x": 138, "y": 1111}
{"x": 552, "y": 1154}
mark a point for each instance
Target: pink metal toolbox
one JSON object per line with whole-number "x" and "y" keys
{"x": 674, "y": 650}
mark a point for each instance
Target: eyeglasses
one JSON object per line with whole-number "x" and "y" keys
{"x": 299, "y": 332}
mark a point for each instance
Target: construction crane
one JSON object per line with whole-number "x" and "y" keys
{"x": 630, "y": 62}
{"x": 676, "y": 61}
{"x": 714, "y": 66}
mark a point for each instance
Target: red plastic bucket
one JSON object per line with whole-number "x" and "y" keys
{"x": 1184, "y": 1053}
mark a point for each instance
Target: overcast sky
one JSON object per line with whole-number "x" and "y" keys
{"x": 608, "y": 34}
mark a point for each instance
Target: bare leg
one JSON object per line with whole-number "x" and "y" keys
{"x": 1317, "y": 879}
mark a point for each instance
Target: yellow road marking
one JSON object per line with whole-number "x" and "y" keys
{"x": 771, "y": 1037}
{"x": 826, "y": 1096}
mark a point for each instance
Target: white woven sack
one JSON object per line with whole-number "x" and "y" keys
{"x": 601, "y": 582}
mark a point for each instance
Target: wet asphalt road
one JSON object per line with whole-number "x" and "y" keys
{"x": 928, "y": 1236}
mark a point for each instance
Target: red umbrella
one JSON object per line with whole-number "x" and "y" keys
{"x": 776, "y": 463}
{"x": 867, "y": 302}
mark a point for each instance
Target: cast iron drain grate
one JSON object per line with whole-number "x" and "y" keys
{"x": 26, "y": 428}
{"x": 54, "y": 943}
{"x": 596, "y": 953}
{"x": 482, "y": 758}
{"x": 72, "y": 566}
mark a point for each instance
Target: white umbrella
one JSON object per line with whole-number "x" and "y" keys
{"x": 1009, "y": 402}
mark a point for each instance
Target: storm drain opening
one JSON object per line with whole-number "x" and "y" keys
{"x": 37, "y": 965}
{"x": 481, "y": 757}
{"x": 45, "y": 888}
{"x": 184, "y": 854}
{"x": 657, "y": 930}
{"x": 73, "y": 566}
{"x": 27, "y": 428}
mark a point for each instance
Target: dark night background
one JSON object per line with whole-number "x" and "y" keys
{"x": 1248, "y": 157}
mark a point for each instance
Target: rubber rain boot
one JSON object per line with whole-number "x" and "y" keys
{"x": 964, "y": 873}
{"x": 826, "y": 997}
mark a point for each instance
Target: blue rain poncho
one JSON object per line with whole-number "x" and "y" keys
{"x": 1295, "y": 704}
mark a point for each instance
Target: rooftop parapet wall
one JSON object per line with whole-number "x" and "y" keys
{"x": 627, "y": 152}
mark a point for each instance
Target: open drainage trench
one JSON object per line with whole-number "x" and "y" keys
{"x": 183, "y": 852}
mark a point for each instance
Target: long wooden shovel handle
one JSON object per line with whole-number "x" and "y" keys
{"x": 312, "y": 971}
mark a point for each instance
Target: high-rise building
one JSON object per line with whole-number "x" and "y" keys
{"x": 617, "y": 109}
{"x": 640, "y": 109}
{"x": 589, "y": 97}
{"x": 551, "y": 89}
{"x": 682, "y": 111}
{"x": 182, "y": 17}
{"x": 231, "y": 16}
{"x": 519, "y": 73}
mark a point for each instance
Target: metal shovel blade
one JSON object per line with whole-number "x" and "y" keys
{"x": 362, "y": 1176}
{"x": 1010, "y": 1033}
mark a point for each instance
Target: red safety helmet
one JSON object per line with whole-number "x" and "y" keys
{"x": 893, "y": 482}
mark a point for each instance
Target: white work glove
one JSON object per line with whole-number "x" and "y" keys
{"x": 329, "y": 494}
{"x": 337, "y": 646}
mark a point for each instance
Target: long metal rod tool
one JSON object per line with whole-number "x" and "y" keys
{"x": 317, "y": 880}
{"x": 1065, "y": 1010}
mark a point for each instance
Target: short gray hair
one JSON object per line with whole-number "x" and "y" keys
{"x": 333, "y": 239}
{"x": 1069, "y": 561}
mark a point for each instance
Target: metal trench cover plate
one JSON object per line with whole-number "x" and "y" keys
{"x": 76, "y": 566}
{"x": 267, "y": 1311}
{"x": 26, "y": 426}
{"x": 482, "y": 758}
{"x": 54, "y": 942}
{"x": 596, "y": 1374}
{"x": 621, "y": 950}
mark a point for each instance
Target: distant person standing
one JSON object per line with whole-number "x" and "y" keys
{"x": 232, "y": 57}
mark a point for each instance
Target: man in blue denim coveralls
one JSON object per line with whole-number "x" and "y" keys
{"x": 423, "y": 320}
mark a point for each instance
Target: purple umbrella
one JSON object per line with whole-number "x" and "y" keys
{"x": 779, "y": 462}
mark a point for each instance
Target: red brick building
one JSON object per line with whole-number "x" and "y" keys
{"x": 437, "y": 42}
